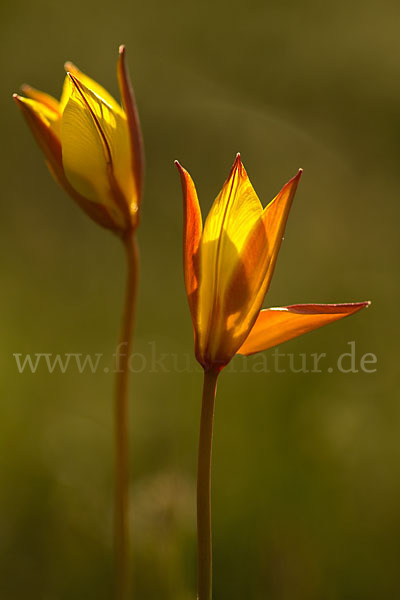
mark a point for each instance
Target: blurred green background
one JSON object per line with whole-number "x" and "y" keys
{"x": 306, "y": 478}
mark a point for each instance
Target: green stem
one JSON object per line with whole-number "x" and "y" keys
{"x": 204, "y": 544}
{"x": 121, "y": 500}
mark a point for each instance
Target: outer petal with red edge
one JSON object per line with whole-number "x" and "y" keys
{"x": 43, "y": 98}
{"x": 132, "y": 115}
{"x": 277, "y": 325}
{"x": 43, "y": 122}
{"x": 192, "y": 232}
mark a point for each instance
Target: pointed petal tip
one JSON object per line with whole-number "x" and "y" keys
{"x": 72, "y": 79}
{"x": 340, "y": 307}
{"x": 75, "y": 81}
{"x": 25, "y": 87}
{"x": 238, "y": 160}
{"x": 293, "y": 181}
{"x": 19, "y": 101}
{"x": 237, "y": 165}
{"x": 69, "y": 66}
{"x": 365, "y": 304}
{"x": 179, "y": 166}
{"x": 122, "y": 49}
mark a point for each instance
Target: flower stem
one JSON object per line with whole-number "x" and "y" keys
{"x": 204, "y": 546}
{"x": 121, "y": 500}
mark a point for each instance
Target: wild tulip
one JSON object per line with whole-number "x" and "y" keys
{"x": 93, "y": 147}
{"x": 228, "y": 266}
{"x": 92, "y": 144}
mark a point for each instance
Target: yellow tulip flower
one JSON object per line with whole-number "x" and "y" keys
{"x": 92, "y": 145}
{"x": 228, "y": 267}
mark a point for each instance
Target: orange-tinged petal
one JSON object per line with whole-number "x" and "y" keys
{"x": 275, "y": 217}
{"x": 132, "y": 115}
{"x": 47, "y": 115}
{"x": 41, "y": 97}
{"x": 252, "y": 276}
{"x": 192, "y": 231}
{"x": 42, "y": 123}
{"x": 277, "y": 325}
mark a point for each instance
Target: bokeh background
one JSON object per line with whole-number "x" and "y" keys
{"x": 306, "y": 478}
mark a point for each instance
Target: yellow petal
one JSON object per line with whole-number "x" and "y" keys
{"x": 96, "y": 150}
{"x": 250, "y": 281}
{"x": 43, "y": 98}
{"x": 51, "y": 147}
{"x": 66, "y": 93}
{"x": 231, "y": 219}
{"x": 192, "y": 230}
{"x": 44, "y": 126}
{"x": 277, "y": 325}
{"x": 91, "y": 84}
{"x": 47, "y": 115}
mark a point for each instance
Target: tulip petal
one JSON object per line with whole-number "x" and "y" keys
{"x": 230, "y": 220}
{"x": 50, "y": 145}
{"x": 43, "y": 98}
{"x": 192, "y": 231}
{"x": 40, "y": 111}
{"x": 254, "y": 270}
{"x": 91, "y": 84}
{"x": 232, "y": 215}
{"x": 132, "y": 115}
{"x": 277, "y": 325}
{"x": 96, "y": 150}
{"x": 275, "y": 217}
{"x": 44, "y": 127}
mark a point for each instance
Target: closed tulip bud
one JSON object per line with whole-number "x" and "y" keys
{"x": 92, "y": 145}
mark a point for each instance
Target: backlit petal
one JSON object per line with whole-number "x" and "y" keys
{"x": 44, "y": 126}
{"x": 91, "y": 84}
{"x": 277, "y": 325}
{"x": 50, "y": 118}
{"x": 275, "y": 217}
{"x": 43, "y": 98}
{"x": 96, "y": 148}
{"x": 192, "y": 231}
{"x": 250, "y": 281}
{"x": 66, "y": 93}
{"x": 132, "y": 115}
{"x": 228, "y": 225}
{"x": 50, "y": 144}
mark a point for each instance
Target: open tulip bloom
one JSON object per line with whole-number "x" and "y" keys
{"x": 93, "y": 147}
{"x": 228, "y": 267}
